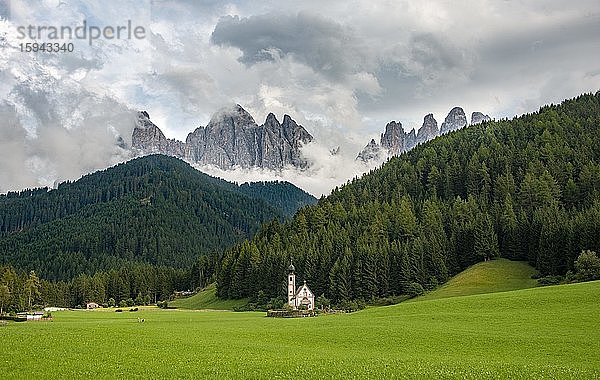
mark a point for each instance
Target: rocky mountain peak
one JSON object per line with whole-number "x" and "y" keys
{"x": 272, "y": 119}
{"x": 478, "y": 117}
{"x": 456, "y": 119}
{"x": 428, "y": 130}
{"x": 370, "y": 152}
{"x": 296, "y": 134}
{"x": 147, "y": 137}
{"x": 231, "y": 139}
{"x": 393, "y": 137}
{"x": 395, "y": 141}
{"x": 232, "y": 116}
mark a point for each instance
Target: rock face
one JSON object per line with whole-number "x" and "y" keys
{"x": 429, "y": 130}
{"x": 456, "y": 119}
{"x": 231, "y": 139}
{"x": 370, "y": 152}
{"x": 395, "y": 140}
{"x": 478, "y": 117}
{"x": 149, "y": 138}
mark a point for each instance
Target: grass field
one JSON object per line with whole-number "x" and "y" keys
{"x": 550, "y": 332}
{"x": 207, "y": 299}
{"x": 493, "y": 276}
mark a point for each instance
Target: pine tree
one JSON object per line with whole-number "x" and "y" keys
{"x": 486, "y": 241}
{"x": 340, "y": 279}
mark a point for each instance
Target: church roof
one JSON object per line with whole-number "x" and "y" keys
{"x": 300, "y": 288}
{"x": 291, "y": 268}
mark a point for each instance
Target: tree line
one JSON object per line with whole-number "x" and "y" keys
{"x": 132, "y": 283}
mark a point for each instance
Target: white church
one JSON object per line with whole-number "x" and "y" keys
{"x": 302, "y": 296}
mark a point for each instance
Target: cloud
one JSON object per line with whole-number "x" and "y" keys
{"x": 326, "y": 171}
{"x": 341, "y": 69}
{"x": 53, "y": 127}
{"x": 322, "y": 44}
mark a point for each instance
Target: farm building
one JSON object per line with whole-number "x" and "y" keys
{"x": 301, "y": 297}
{"x": 91, "y": 305}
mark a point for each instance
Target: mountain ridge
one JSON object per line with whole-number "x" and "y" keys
{"x": 395, "y": 140}
{"x": 231, "y": 139}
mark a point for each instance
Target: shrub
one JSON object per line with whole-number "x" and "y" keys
{"x": 550, "y": 280}
{"x": 350, "y": 306}
{"x": 386, "y": 301}
{"x": 587, "y": 266}
{"x": 432, "y": 283}
{"x": 570, "y": 277}
{"x": 276, "y": 303}
{"x": 250, "y": 306}
{"x": 536, "y": 276}
{"x": 415, "y": 289}
{"x": 262, "y": 299}
{"x": 139, "y": 300}
{"x": 323, "y": 302}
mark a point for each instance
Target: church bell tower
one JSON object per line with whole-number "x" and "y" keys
{"x": 291, "y": 286}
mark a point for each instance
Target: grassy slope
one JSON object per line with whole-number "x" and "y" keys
{"x": 499, "y": 275}
{"x": 549, "y": 332}
{"x": 207, "y": 299}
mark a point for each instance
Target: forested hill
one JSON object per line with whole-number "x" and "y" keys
{"x": 282, "y": 195}
{"x": 154, "y": 209}
{"x": 526, "y": 188}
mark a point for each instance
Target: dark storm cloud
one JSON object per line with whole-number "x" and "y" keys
{"x": 432, "y": 52}
{"x": 320, "y": 43}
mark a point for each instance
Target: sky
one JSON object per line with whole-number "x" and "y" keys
{"x": 342, "y": 69}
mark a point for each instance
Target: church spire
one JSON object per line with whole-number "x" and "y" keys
{"x": 292, "y": 286}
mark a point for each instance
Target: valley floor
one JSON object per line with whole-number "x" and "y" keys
{"x": 550, "y": 332}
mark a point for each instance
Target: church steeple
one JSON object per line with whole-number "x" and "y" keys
{"x": 291, "y": 286}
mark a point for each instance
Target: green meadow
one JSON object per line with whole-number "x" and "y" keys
{"x": 500, "y": 275}
{"x": 551, "y": 332}
{"x": 207, "y": 299}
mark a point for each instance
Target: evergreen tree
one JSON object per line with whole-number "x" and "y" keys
{"x": 486, "y": 241}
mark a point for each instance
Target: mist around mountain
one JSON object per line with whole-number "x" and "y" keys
{"x": 395, "y": 140}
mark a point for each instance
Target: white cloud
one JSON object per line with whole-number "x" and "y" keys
{"x": 326, "y": 171}
{"x": 341, "y": 69}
